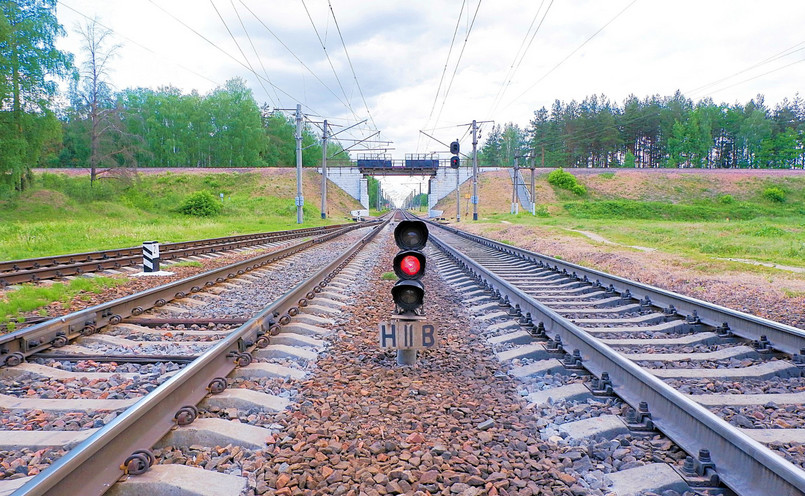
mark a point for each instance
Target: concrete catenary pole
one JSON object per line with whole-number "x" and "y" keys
{"x": 458, "y": 195}
{"x": 474, "y": 170}
{"x": 299, "y": 199}
{"x": 324, "y": 172}
{"x": 514, "y": 186}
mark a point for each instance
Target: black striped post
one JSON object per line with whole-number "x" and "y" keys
{"x": 150, "y": 256}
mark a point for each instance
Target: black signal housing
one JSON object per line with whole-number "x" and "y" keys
{"x": 408, "y": 293}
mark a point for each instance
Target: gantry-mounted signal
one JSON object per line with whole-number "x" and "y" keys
{"x": 409, "y": 266}
{"x": 454, "y": 160}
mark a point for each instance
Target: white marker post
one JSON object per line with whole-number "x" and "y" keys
{"x": 150, "y": 256}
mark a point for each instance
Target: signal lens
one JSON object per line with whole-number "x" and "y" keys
{"x": 409, "y": 296}
{"x": 410, "y": 265}
{"x": 411, "y": 237}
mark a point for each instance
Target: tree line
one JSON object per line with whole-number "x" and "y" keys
{"x": 166, "y": 128}
{"x": 101, "y": 129}
{"x": 92, "y": 126}
{"x": 654, "y": 132}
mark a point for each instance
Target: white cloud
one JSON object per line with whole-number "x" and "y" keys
{"x": 399, "y": 48}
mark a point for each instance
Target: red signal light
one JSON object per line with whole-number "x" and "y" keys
{"x": 410, "y": 265}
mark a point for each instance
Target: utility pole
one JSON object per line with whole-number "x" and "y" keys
{"x": 533, "y": 197}
{"x": 514, "y": 186}
{"x": 458, "y": 196}
{"x": 300, "y": 201}
{"x": 324, "y": 172}
{"x": 474, "y": 170}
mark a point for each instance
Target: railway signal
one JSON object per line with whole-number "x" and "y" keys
{"x": 409, "y": 265}
{"x": 407, "y": 331}
{"x": 454, "y": 160}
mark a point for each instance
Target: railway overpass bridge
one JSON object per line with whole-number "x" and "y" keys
{"x": 442, "y": 181}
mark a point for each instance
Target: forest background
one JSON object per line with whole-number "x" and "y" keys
{"x": 92, "y": 125}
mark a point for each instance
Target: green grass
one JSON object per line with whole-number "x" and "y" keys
{"x": 698, "y": 211}
{"x": 700, "y": 230}
{"x": 388, "y": 276}
{"x": 777, "y": 240}
{"x": 29, "y": 298}
{"x": 690, "y": 216}
{"x": 187, "y": 263}
{"x": 61, "y": 214}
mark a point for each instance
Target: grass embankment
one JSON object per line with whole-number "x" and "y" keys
{"x": 702, "y": 217}
{"x": 62, "y": 214}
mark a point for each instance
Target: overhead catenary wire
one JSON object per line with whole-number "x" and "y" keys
{"x": 301, "y": 62}
{"x": 293, "y": 54}
{"x": 254, "y": 49}
{"x": 777, "y": 56}
{"x": 149, "y": 50}
{"x": 444, "y": 70}
{"x": 568, "y": 56}
{"x": 245, "y": 58}
{"x": 521, "y": 53}
{"x": 226, "y": 53}
{"x": 758, "y": 76}
{"x": 217, "y": 83}
{"x": 351, "y": 67}
{"x": 458, "y": 62}
{"x": 327, "y": 54}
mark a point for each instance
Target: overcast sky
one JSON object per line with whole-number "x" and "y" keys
{"x": 398, "y": 55}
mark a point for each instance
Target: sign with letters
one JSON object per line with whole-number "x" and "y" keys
{"x": 408, "y": 335}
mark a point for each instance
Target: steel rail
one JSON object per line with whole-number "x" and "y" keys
{"x": 86, "y": 469}
{"x": 57, "y": 332}
{"x": 782, "y": 337}
{"x": 743, "y": 464}
{"x": 34, "y": 269}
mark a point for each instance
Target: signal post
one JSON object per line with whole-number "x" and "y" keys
{"x": 408, "y": 330}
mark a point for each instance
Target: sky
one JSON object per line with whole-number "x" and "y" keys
{"x": 433, "y": 66}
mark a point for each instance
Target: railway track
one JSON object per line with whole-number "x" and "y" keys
{"x": 723, "y": 385}
{"x": 262, "y": 389}
{"x": 36, "y": 269}
{"x": 155, "y": 367}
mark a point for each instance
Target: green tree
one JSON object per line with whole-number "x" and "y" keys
{"x": 512, "y": 144}
{"x": 542, "y": 138}
{"x": 491, "y": 151}
{"x": 629, "y": 159}
{"x": 280, "y": 145}
{"x": 753, "y": 131}
{"x": 28, "y": 58}
{"x": 110, "y": 145}
{"x": 236, "y": 139}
